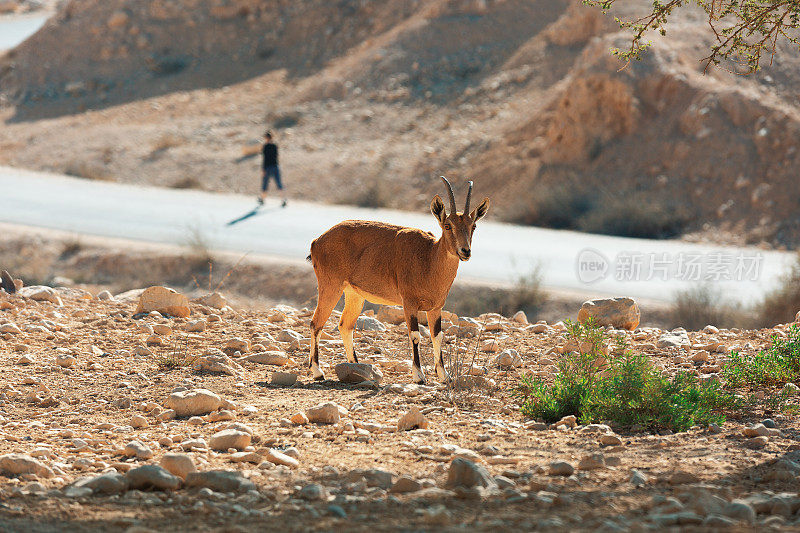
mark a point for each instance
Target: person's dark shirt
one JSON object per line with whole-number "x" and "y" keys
{"x": 270, "y": 153}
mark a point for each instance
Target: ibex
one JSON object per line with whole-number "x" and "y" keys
{"x": 391, "y": 265}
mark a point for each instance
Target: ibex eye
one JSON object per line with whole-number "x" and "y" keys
{"x": 447, "y": 227}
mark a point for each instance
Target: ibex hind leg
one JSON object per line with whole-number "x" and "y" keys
{"x": 325, "y": 303}
{"x": 353, "y": 303}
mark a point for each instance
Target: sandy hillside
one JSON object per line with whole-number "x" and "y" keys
{"x": 371, "y": 101}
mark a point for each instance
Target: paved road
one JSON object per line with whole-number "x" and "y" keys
{"x": 16, "y": 28}
{"x": 501, "y": 252}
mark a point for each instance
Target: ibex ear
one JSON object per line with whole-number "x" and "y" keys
{"x": 480, "y": 211}
{"x": 437, "y": 208}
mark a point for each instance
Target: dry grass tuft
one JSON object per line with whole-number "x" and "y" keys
{"x": 188, "y": 182}
{"x": 164, "y": 143}
{"x": 780, "y": 305}
{"x": 87, "y": 170}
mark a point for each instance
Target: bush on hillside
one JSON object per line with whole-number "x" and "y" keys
{"x": 570, "y": 205}
{"x": 634, "y": 215}
{"x": 697, "y": 307}
{"x": 557, "y": 206}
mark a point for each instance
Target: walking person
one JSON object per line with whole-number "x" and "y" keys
{"x": 270, "y": 168}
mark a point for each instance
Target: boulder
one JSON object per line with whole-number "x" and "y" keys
{"x": 164, "y": 300}
{"x": 138, "y": 450}
{"x": 196, "y": 326}
{"x": 561, "y": 468}
{"x": 18, "y": 463}
{"x": 299, "y": 419}
{"x": 40, "y": 293}
{"x": 220, "y": 481}
{"x": 152, "y": 477}
{"x": 593, "y": 461}
{"x": 268, "y": 358}
{"x": 324, "y": 413}
{"x": 405, "y": 484}
{"x": 193, "y": 402}
{"x": 508, "y": 358}
{"x": 520, "y": 317}
{"x": 412, "y": 419}
{"x": 391, "y": 315}
{"x": 229, "y": 438}
{"x": 610, "y": 439}
{"x": 111, "y": 483}
{"x": 288, "y": 335}
{"x": 217, "y": 363}
{"x": 368, "y": 323}
{"x": 620, "y": 312}
{"x": 214, "y": 300}
{"x": 313, "y": 492}
{"x": 756, "y": 430}
{"x": 246, "y": 457}
{"x": 280, "y": 458}
{"x": 65, "y": 360}
{"x": 178, "y": 464}
{"x": 467, "y": 474}
{"x": 673, "y": 339}
{"x": 130, "y": 296}
{"x": 375, "y": 477}
{"x": 358, "y": 372}
{"x": 237, "y": 344}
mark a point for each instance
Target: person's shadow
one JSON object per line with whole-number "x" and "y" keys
{"x": 257, "y": 210}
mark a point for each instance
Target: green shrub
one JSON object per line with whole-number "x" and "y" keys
{"x": 624, "y": 388}
{"x": 777, "y": 365}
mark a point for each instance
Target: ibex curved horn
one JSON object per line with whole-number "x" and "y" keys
{"x": 469, "y": 196}
{"x": 450, "y": 194}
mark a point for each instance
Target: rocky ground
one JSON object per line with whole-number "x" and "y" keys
{"x": 111, "y": 419}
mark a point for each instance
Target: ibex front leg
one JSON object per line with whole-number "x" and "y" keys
{"x": 435, "y": 323}
{"x": 326, "y": 301}
{"x": 413, "y": 335}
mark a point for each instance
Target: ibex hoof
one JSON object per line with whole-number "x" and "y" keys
{"x": 317, "y": 373}
{"x": 419, "y": 377}
{"x": 443, "y": 376}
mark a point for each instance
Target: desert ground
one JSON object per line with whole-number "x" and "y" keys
{"x": 89, "y": 396}
{"x": 129, "y": 406}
